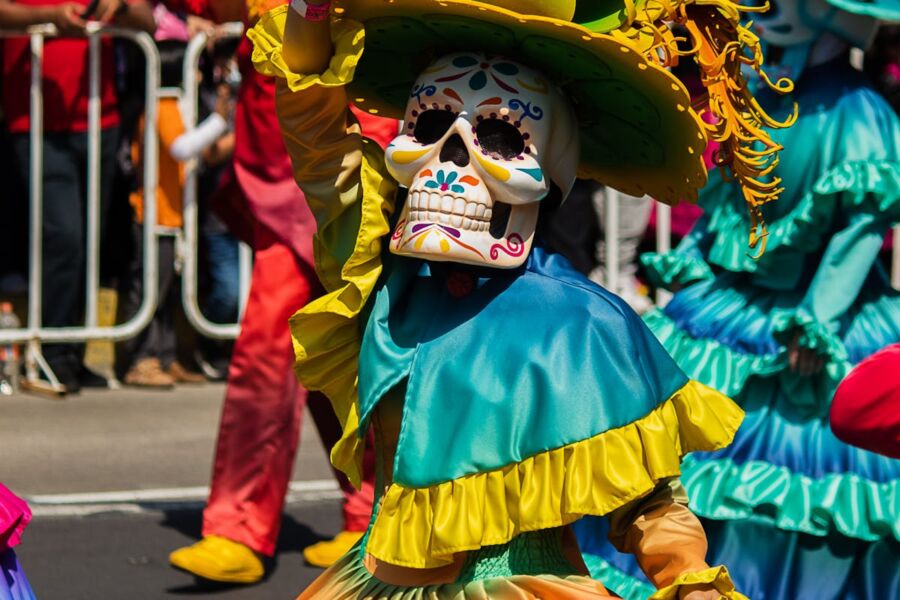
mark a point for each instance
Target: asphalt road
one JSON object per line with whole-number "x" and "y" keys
{"x": 116, "y": 556}
{"x": 104, "y": 440}
{"x": 117, "y": 480}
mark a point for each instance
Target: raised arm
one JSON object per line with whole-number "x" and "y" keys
{"x": 313, "y": 61}
{"x": 349, "y": 192}
{"x": 307, "y": 43}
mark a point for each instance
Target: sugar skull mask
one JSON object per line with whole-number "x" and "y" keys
{"x": 485, "y": 140}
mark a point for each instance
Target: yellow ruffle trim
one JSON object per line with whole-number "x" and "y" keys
{"x": 326, "y": 332}
{"x": 718, "y": 576}
{"x": 424, "y": 527}
{"x": 268, "y": 36}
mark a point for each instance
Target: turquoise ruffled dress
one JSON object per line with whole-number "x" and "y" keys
{"x": 795, "y": 513}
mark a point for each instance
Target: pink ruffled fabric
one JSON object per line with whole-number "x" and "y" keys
{"x": 14, "y": 517}
{"x": 169, "y": 25}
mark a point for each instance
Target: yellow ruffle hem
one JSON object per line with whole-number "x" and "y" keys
{"x": 424, "y": 527}
{"x": 267, "y": 35}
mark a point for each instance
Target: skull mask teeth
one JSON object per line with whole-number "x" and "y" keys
{"x": 484, "y": 138}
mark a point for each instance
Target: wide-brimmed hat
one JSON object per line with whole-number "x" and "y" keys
{"x": 638, "y": 130}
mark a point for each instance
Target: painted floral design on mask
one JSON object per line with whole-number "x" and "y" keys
{"x": 529, "y": 110}
{"x": 444, "y": 181}
{"x": 484, "y": 141}
{"x": 421, "y": 89}
{"x": 480, "y": 69}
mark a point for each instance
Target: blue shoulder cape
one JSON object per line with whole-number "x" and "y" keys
{"x": 528, "y": 360}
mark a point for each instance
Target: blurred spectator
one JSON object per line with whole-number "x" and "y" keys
{"x": 220, "y": 84}
{"x": 150, "y": 359}
{"x": 14, "y": 216}
{"x": 573, "y": 228}
{"x": 64, "y": 85}
{"x": 634, "y": 215}
{"x": 220, "y": 80}
{"x": 260, "y": 423}
{"x": 577, "y": 231}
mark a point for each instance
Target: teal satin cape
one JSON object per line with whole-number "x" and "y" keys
{"x": 532, "y": 359}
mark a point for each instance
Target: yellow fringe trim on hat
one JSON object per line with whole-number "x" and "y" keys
{"x": 425, "y": 527}
{"x": 720, "y": 45}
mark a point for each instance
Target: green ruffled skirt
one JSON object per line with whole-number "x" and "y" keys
{"x": 531, "y": 567}
{"x": 791, "y": 511}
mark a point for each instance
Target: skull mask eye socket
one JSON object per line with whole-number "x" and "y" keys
{"x": 432, "y": 125}
{"x": 500, "y": 139}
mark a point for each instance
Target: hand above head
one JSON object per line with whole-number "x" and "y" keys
{"x": 307, "y": 40}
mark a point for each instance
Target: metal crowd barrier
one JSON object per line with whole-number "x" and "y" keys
{"x": 663, "y": 243}
{"x": 189, "y": 283}
{"x": 33, "y": 334}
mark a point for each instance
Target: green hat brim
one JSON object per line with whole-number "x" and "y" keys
{"x": 638, "y": 132}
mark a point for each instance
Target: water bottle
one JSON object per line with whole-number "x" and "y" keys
{"x": 9, "y": 352}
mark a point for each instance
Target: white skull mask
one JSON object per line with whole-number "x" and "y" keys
{"x": 484, "y": 140}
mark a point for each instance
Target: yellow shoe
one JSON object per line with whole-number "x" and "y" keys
{"x": 326, "y": 553}
{"x": 219, "y": 559}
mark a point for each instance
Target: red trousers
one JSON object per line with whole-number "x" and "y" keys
{"x": 260, "y": 425}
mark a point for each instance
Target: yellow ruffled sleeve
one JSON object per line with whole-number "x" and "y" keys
{"x": 716, "y": 576}
{"x": 268, "y": 35}
{"x": 351, "y": 196}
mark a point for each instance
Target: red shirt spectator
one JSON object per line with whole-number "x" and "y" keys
{"x": 65, "y": 68}
{"x": 64, "y": 81}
